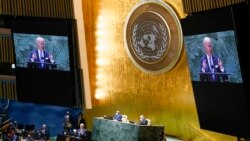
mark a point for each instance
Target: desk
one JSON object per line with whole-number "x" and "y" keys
{"x": 109, "y": 130}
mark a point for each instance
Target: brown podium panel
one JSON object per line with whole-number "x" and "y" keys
{"x": 61, "y": 137}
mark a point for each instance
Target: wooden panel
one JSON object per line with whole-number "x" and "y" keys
{"x": 14, "y": 6}
{"x": 7, "y": 7}
{"x": 1, "y": 50}
{"x": 192, "y": 6}
{"x": 6, "y": 50}
{"x": 10, "y": 51}
{"x": 8, "y": 90}
{"x": 184, "y": 5}
{"x": 39, "y": 8}
{"x": 55, "y": 10}
{"x": 49, "y": 2}
{"x": 67, "y": 8}
{"x": 1, "y": 89}
{"x": 1, "y": 7}
{"x": 59, "y": 8}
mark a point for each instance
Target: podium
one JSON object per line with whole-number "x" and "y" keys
{"x": 214, "y": 73}
{"x": 214, "y": 76}
{"x": 61, "y": 137}
{"x": 110, "y": 130}
{"x": 46, "y": 65}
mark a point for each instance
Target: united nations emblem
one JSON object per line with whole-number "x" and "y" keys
{"x": 153, "y": 36}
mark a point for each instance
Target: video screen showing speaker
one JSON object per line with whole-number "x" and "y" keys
{"x": 45, "y": 60}
{"x": 42, "y": 51}
{"x": 213, "y": 57}
{"x": 214, "y": 48}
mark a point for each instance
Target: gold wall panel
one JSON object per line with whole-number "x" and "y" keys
{"x": 116, "y": 84}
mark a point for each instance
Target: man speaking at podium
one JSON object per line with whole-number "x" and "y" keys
{"x": 39, "y": 58}
{"x": 212, "y": 69}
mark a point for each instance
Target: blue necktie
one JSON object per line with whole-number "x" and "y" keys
{"x": 41, "y": 59}
{"x": 211, "y": 64}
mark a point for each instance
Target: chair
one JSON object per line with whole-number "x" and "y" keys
{"x": 20, "y": 126}
{"x": 124, "y": 118}
{"x": 149, "y": 121}
{"x": 88, "y": 133}
{"x": 29, "y": 127}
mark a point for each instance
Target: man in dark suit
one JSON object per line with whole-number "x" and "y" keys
{"x": 67, "y": 125}
{"x": 81, "y": 132}
{"x": 212, "y": 68}
{"x": 143, "y": 121}
{"x": 117, "y": 116}
{"x": 43, "y": 133}
{"x": 9, "y": 134}
{"x": 39, "y": 58}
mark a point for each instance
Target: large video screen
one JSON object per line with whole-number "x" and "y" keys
{"x": 46, "y": 60}
{"x": 215, "y": 41}
{"x": 213, "y": 57}
{"x": 41, "y": 51}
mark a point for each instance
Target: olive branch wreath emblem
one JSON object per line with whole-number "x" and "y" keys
{"x": 161, "y": 50}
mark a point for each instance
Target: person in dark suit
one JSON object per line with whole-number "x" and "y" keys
{"x": 212, "y": 68}
{"x": 39, "y": 58}
{"x": 9, "y": 134}
{"x": 43, "y": 133}
{"x": 117, "y": 116}
{"x": 81, "y": 132}
{"x": 67, "y": 125}
{"x": 143, "y": 121}
{"x": 79, "y": 120}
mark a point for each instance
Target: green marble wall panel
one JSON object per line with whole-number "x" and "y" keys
{"x": 109, "y": 130}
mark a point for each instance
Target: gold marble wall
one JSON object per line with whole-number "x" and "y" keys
{"x": 116, "y": 84}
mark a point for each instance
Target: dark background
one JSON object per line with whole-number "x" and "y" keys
{"x": 223, "y": 107}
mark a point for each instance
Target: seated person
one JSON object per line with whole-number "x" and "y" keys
{"x": 117, "y": 116}
{"x": 10, "y": 133}
{"x": 81, "y": 132}
{"x": 43, "y": 133}
{"x": 143, "y": 121}
{"x": 79, "y": 120}
{"x": 67, "y": 125}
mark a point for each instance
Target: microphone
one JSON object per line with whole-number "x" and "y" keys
{"x": 212, "y": 66}
{"x": 46, "y": 59}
